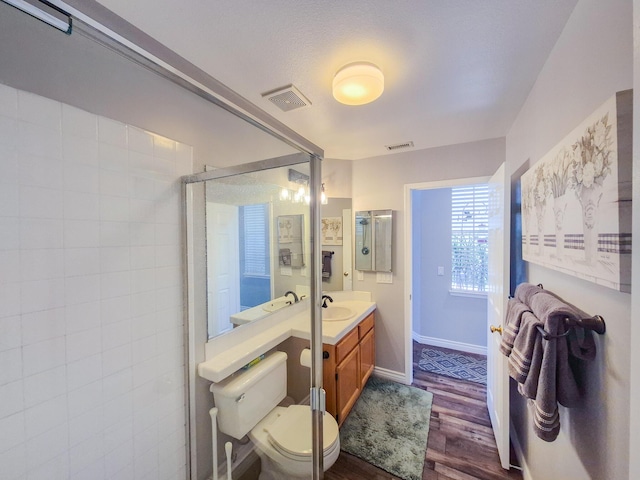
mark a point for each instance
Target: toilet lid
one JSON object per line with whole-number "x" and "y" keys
{"x": 291, "y": 431}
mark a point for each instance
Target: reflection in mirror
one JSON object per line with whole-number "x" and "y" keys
{"x": 373, "y": 231}
{"x": 256, "y": 246}
{"x": 290, "y": 240}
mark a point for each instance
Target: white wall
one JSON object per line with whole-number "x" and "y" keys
{"x": 92, "y": 381}
{"x": 378, "y": 183}
{"x": 337, "y": 177}
{"x": 441, "y": 317}
{"x": 590, "y": 62}
{"x": 634, "y": 444}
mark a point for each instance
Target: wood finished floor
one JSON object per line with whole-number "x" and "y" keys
{"x": 460, "y": 445}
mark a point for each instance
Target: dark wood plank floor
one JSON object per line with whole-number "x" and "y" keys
{"x": 461, "y": 444}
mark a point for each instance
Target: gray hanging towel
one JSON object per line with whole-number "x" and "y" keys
{"x": 515, "y": 309}
{"x": 326, "y": 264}
{"x": 285, "y": 256}
{"x": 525, "y": 292}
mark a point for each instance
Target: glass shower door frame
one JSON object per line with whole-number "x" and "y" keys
{"x": 317, "y": 394}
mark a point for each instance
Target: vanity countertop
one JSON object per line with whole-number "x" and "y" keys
{"x": 334, "y": 331}
{"x": 230, "y": 352}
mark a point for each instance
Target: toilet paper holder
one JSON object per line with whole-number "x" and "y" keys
{"x": 305, "y": 357}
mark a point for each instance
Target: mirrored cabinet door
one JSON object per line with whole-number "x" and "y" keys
{"x": 373, "y": 240}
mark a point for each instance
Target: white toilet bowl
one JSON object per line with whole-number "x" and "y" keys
{"x": 247, "y": 403}
{"x": 283, "y": 441}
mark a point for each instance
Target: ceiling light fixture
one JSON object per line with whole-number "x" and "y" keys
{"x": 358, "y": 83}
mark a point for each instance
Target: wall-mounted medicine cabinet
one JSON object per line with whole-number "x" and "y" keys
{"x": 374, "y": 233}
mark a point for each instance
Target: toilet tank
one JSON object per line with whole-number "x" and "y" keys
{"x": 247, "y": 397}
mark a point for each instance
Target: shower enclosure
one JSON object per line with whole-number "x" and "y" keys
{"x": 139, "y": 79}
{"x": 257, "y": 225}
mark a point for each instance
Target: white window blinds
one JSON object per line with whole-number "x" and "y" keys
{"x": 469, "y": 232}
{"x": 255, "y": 239}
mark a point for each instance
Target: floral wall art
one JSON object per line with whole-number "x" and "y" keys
{"x": 576, "y": 200}
{"x": 332, "y": 231}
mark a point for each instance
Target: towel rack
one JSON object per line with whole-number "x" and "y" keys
{"x": 595, "y": 324}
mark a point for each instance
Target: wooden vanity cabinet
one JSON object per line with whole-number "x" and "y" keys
{"x": 347, "y": 368}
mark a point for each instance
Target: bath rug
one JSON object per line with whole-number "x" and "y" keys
{"x": 388, "y": 427}
{"x": 454, "y": 364}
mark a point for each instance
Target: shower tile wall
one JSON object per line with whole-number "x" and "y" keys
{"x": 91, "y": 354}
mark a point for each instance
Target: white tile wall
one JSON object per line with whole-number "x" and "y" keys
{"x": 91, "y": 379}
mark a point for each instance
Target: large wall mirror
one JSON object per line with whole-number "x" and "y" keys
{"x": 257, "y": 246}
{"x": 373, "y": 238}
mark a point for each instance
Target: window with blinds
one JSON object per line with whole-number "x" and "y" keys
{"x": 469, "y": 232}
{"x": 254, "y": 239}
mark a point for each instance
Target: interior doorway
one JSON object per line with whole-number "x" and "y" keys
{"x": 436, "y": 311}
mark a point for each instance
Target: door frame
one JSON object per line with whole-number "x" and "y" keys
{"x": 408, "y": 259}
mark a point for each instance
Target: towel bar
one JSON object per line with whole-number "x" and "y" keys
{"x": 595, "y": 323}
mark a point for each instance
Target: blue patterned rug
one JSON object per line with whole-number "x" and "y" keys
{"x": 458, "y": 365}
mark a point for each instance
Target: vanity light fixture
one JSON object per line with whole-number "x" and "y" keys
{"x": 323, "y": 197}
{"x": 358, "y": 83}
{"x": 63, "y": 25}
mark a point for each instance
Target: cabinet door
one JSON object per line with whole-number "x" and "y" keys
{"x": 347, "y": 383}
{"x": 367, "y": 356}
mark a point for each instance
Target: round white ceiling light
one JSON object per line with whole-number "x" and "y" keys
{"x": 358, "y": 83}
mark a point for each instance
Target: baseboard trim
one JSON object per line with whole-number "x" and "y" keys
{"x": 439, "y": 342}
{"x": 391, "y": 375}
{"x": 517, "y": 447}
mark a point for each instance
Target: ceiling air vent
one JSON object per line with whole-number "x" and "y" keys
{"x": 399, "y": 146}
{"x": 287, "y": 98}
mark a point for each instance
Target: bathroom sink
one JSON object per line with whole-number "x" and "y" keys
{"x": 335, "y": 313}
{"x": 276, "y": 305}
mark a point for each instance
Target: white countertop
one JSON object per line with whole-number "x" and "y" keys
{"x": 227, "y": 353}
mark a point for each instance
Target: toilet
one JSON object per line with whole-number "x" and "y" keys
{"x": 247, "y": 404}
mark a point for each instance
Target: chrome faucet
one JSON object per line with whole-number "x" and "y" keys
{"x": 324, "y": 302}
{"x": 295, "y": 297}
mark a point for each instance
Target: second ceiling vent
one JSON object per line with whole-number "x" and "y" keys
{"x": 399, "y": 146}
{"x": 287, "y": 98}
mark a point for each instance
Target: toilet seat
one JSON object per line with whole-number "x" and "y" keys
{"x": 290, "y": 433}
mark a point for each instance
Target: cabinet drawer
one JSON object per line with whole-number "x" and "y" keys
{"x": 366, "y": 325}
{"x": 348, "y": 343}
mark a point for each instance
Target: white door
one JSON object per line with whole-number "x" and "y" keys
{"x": 497, "y": 376}
{"x": 347, "y": 269}
{"x": 223, "y": 266}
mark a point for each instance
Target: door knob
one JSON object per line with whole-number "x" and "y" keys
{"x": 346, "y": 274}
{"x": 496, "y": 329}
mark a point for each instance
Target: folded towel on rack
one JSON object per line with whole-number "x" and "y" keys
{"x": 285, "y": 256}
{"x": 515, "y": 309}
{"x": 581, "y": 342}
{"x": 326, "y": 264}
{"x": 525, "y": 292}
{"x": 556, "y": 382}
{"x": 522, "y": 355}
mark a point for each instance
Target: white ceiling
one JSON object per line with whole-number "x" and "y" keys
{"x": 455, "y": 70}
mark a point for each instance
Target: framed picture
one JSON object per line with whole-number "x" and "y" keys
{"x": 332, "y": 231}
{"x": 576, "y": 200}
